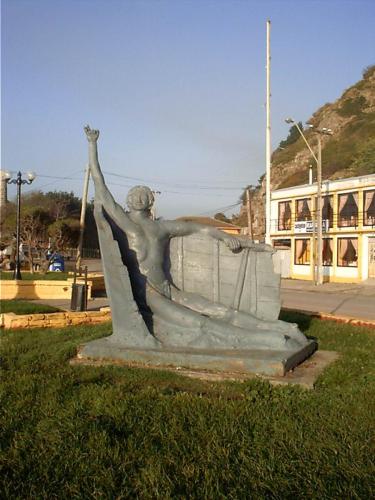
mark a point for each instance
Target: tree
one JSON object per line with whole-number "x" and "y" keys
{"x": 365, "y": 160}
{"x": 62, "y": 204}
{"x": 64, "y": 233}
{"x": 52, "y": 215}
{"x": 243, "y": 197}
{"x": 33, "y": 232}
{"x": 293, "y": 136}
{"x": 221, "y": 217}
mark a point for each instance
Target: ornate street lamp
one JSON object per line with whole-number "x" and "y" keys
{"x": 19, "y": 181}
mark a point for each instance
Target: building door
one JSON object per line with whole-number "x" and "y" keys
{"x": 371, "y": 258}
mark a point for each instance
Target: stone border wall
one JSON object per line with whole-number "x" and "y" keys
{"x": 54, "y": 320}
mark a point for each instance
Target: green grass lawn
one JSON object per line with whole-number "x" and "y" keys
{"x": 27, "y": 276}
{"x": 115, "y": 432}
{"x": 24, "y": 307}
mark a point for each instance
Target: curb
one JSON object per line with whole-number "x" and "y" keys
{"x": 331, "y": 317}
{"x": 11, "y": 321}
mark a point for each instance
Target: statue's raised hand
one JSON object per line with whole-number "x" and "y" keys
{"x": 92, "y": 135}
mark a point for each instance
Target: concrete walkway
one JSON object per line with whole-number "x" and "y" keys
{"x": 355, "y": 300}
{"x": 64, "y": 305}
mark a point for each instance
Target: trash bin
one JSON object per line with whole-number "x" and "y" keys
{"x": 78, "y": 299}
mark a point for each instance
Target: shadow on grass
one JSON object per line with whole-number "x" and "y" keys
{"x": 303, "y": 320}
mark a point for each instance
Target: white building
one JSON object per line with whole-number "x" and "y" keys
{"x": 348, "y": 212}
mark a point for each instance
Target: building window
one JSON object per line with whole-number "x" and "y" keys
{"x": 348, "y": 210}
{"x": 327, "y": 251}
{"x": 327, "y": 209}
{"x": 302, "y": 252}
{"x": 282, "y": 243}
{"x": 303, "y": 209}
{"x": 369, "y": 208}
{"x": 347, "y": 252}
{"x": 285, "y": 216}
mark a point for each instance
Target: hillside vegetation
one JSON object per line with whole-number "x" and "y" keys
{"x": 349, "y": 152}
{"x": 351, "y": 149}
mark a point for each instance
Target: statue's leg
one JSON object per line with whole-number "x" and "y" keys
{"x": 244, "y": 320}
{"x": 200, "y": 304}
{"x": 236, "y": 318}
{"x": 178, "y": 325}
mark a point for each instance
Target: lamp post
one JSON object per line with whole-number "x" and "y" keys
{"x": 19, "y": 182}
{"x": 319, "y": 219}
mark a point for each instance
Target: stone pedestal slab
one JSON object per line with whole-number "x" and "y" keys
{"x": 265, "y": 362}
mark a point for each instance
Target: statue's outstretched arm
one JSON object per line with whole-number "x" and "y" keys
{"x": 184, "y": 228}
{"x": 102, "y": 193}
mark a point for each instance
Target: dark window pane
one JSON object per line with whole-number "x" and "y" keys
{"x": 369, "y": 208}
{"x": 285, "y": 216}
{"x": 303, "y": 209}
{"x": 347, "y": 252}
{"x": 302, "y": 252}
{"x": 348, "y": 210}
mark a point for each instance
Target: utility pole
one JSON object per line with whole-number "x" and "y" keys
{"x": 314, "y": 243}
{"x": 317, "y": 259}
{"x": 319, "y": 215}
{"x": 268, "y": 137}
{"x": 83, "y": 216}
{"x": 249, "y": 214}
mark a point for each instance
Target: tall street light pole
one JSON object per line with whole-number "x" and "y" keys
{"x": 319, "y": 219}
{"x": 268, "y": 136}
{"x": 19, "y": 182}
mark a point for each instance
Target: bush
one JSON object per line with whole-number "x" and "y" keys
{"x": 368, "y": 72}
{"x": 353, "y": 107}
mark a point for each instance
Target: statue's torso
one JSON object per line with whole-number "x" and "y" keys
{"x": 149, "y": 241}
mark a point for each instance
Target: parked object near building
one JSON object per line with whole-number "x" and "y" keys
{"x": 281, "y": 261}
{"x": 348, "y": 213}
{"x": 56, "y": 263}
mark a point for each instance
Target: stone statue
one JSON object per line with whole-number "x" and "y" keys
{"x": 148, "y": 310}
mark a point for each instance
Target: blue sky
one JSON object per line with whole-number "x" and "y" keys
{"x": 176, "y": 87}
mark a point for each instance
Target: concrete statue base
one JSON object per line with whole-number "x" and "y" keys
{"x": 264, "y": 362}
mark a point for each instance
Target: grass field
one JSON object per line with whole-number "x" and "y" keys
{"x": 27, "y": 276}
{"x": 24, "y": 307}
{"x": 116, "y": 432}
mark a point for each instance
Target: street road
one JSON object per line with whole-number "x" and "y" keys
{"x": 341, "y": 299}
{"x": 356, "y": 301}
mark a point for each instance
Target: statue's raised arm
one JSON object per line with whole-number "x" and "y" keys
{"x": 102, "y": 193}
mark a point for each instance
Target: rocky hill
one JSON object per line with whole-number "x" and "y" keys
{"x": 348, "y": 153}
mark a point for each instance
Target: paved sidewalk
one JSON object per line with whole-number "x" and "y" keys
{"x": 355, "y": 300}
{"x": 342, "y": 300}
{"x": 64, "y": 304}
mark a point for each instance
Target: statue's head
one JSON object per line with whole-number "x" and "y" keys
{"x": 140, "y": 198}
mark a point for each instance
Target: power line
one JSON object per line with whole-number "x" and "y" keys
{"x": 61, "y": 178}
{"x": 221, "y": 209}
{"x": 184, "y": 185}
